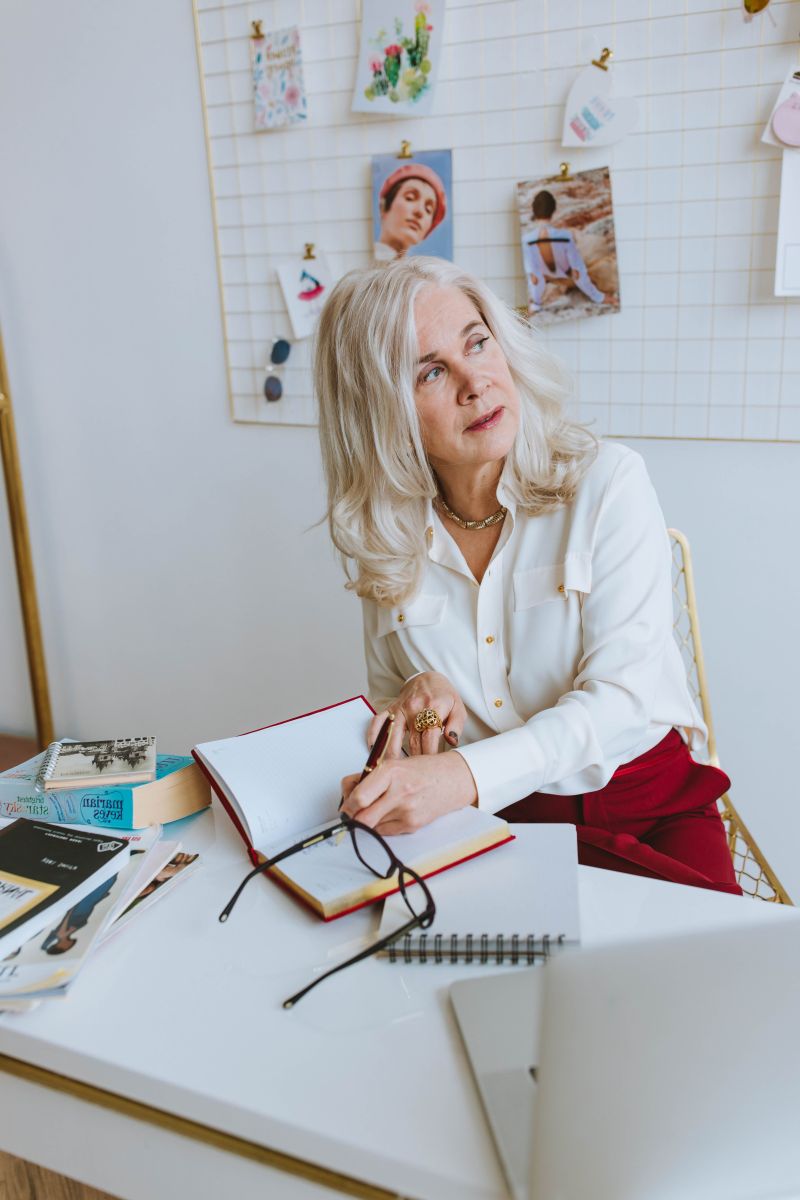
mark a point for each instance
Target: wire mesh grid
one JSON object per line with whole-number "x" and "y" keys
{"x": 753, "y": 873}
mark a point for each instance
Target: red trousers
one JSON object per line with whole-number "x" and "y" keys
{"x": 657, "y": 816}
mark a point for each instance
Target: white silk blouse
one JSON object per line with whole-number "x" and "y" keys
{"x": 563, "y": 655}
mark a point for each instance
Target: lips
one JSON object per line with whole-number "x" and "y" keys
{"x": 487, "y": 421}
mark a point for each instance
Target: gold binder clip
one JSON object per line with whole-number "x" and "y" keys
{"x": 257, "y": 30}
{"x": 405, "y": 150}
{"x": 602, "y": 61}
{"x": 309, "y": 252}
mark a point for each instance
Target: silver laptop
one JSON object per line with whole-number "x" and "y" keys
{"x": 658, "y": 1070}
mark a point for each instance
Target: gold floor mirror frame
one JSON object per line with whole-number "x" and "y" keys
{"x": 24, "y": 561}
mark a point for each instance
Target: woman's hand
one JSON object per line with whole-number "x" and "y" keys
{"x": 428, "y": 690}
{"x": 404, "y": 794}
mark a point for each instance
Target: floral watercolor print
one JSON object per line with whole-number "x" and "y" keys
{"x": 305, "y": 283}
{"x": 399, "y": 58}
{"x": 278, "y": 92}
{"x": 412, "y": 208}
{"x": 569, "y": 250}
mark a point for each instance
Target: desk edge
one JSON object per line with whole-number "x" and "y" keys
{"x": 185, "y": 1127}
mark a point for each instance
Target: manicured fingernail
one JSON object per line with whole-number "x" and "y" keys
{"x": 452, "y": 736}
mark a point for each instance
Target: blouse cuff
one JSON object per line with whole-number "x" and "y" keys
{"x": 506, "y": 768}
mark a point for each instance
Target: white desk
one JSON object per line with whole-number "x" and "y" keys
{"x": 171, "y": 1068}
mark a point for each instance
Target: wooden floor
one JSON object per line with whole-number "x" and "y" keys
{"x": 22, "y": 1180}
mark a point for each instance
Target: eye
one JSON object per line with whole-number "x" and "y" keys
{"x": 431, "y": 374}
{"x": 478, "y": 345}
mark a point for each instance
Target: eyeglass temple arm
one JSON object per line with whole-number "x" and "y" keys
{"x": 271, "y": 862}
{"x": 381, "y": 944}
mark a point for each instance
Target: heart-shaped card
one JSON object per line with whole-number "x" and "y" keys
{"x": 593, "y": 115}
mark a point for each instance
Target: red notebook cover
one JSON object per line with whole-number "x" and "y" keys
{"x": 253, "y": 853}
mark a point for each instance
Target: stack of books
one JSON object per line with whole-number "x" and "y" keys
{"x": 81, "y": 854}
{"x": 115, "y": 784}
{"x": 64, "y": 890}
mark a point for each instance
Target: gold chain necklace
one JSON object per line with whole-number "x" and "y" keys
{"x": 494, "y": 519}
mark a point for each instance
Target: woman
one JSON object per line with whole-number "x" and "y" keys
{"x": 515, "y": 582}
{"x": 412, "y": 202}
{"x": 552, "y": 256}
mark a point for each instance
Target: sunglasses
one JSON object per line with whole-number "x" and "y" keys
{"x": 273, "y": 386}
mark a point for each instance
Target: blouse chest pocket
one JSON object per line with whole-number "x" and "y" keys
{"x": 539, "y": 585}
{"x": 423, "y": 610}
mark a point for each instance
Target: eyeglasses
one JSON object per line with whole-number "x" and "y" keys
{"x": 273, "y": 387}
{"x": 377, "y": 856}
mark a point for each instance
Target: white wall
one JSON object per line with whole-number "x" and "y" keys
{"x": 178, "y": 589}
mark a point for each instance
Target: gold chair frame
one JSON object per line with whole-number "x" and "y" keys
{"x": 753, "y": 873}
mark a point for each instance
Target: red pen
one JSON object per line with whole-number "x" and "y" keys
{"x": 378, "y": 751}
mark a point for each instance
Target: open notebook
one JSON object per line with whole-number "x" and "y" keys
{"x": 280, "y": 785}
{"x": 511, "y": 907}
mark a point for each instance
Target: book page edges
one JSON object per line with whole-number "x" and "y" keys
{"x": 160, "y": 805}
{"x": 232, "y": 806}
{"x": 222, "y": 796}
{"x": 380, "y": 889}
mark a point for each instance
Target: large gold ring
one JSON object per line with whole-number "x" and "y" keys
{"x": 427, "y": 718}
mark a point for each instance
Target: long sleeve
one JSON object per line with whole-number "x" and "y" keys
{"x": 384, "y": 681}
{"x": 626, "y": 622}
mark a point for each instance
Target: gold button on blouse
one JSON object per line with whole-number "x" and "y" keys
{"x": 498, "y": 703}
{"x": 400, "y": 617}
{"x": 561, "y": 587}
{"x": 489, "y": 640}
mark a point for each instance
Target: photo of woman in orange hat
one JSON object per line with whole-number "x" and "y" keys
{"x": 411, "y": 209}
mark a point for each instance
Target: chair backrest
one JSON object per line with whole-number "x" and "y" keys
{"x": 753, "y": 873}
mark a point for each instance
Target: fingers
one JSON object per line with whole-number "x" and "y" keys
{"x": 454, "y": 725}
{"x": 374, "y": 727}
{"x": 358, "y": 796}
{"x": 431, "y": 739}
{"x": 395, "y": 746}
{"x": 348, "y": 783}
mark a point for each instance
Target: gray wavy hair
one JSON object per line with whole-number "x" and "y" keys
{"x": 377, "y": 473}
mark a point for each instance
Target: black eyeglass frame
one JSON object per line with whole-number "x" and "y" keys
{"x": 405, "y": 876}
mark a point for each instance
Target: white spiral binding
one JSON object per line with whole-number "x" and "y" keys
{"x": 440, "y": 948}
{"x": 48, "y": 763}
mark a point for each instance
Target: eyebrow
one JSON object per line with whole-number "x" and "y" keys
{"x": 464, "y": 333}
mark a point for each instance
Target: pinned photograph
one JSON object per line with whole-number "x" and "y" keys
{"x": 399, "y": 57}
{"x": 279, "y": 96}
{"x": 411, "y": 205}
{"x": 569, "y": 250}
{"x": 305, "y": 284}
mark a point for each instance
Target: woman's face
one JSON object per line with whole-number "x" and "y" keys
{"x": 410, "y": 217}
{"x": 466, "y": 399}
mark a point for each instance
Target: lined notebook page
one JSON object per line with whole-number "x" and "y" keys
{"x": 529, "y": 886}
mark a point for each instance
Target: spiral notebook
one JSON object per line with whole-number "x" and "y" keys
{"x": 514, "y": 906}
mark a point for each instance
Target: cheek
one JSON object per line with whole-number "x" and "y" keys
{"x": 432, "y": 427}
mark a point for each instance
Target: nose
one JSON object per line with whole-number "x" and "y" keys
{"x": 472, "y": 382}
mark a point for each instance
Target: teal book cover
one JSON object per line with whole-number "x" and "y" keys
{"x": 109, "y": 807}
